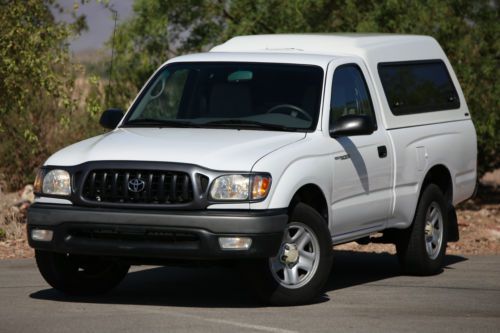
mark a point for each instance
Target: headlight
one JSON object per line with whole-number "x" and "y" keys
{"x": 240, "y": 187}
{"x": 55, "y": 182}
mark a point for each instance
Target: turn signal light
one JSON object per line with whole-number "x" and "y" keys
{"x": 260, "y": 186}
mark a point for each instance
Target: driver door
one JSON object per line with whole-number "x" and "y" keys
{"x": 362, "y": 174}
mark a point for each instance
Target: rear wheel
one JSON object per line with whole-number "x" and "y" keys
{"x": 297, "y": 274}
{"x": 80, "y": 275}
{"x": 422, "y": 247}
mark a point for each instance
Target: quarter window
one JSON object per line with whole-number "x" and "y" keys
{"x": 417, "y": 87}
{"x": 350, "y": 94}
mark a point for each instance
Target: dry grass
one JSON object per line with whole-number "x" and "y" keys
{"x": 13, "y": 223}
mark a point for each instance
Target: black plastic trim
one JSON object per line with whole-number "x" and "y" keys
{"x": 217, "y": 221}
{"x": 204, "y": 246}
{"x": 111, "y": 118}
{"x": 350, "y": 125}
{"x": 265, "y": 227}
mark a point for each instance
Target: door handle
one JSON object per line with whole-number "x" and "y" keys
{"x": 382, "y": 151}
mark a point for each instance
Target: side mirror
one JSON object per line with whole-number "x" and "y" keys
{"x": 352, "y": 125}
{"x": 111, "y": 118}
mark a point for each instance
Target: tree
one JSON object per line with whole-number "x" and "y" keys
{"x": 467, "y": 30}
{"x": 35, "y": 88}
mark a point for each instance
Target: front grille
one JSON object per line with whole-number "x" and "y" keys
{"x": 152, "y": 187}
{"x": 131, "y": 234}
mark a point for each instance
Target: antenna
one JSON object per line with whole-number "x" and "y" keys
{"x": 110, "y": 75}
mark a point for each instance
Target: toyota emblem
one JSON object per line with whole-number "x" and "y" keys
{"x": 136, "y": 185}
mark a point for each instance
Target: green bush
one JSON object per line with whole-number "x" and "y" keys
{"x": 39, "y": 107}
{"x": 3, "y": 234}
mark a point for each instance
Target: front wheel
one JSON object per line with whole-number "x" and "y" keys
{"x": 421, "y": 248}
{"x": 80, "y": 275}
{"x": 297, "y": 274}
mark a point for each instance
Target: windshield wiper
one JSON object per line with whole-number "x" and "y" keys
{"x": 233, "y": 123}
{"x": 248, "y": 123}
{"x": 150, "y": 122}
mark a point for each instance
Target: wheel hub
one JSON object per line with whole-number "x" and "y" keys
{"x": 289, "y": 254}
{"x": 433, "y": 230}
{"x": 428, "y": 228}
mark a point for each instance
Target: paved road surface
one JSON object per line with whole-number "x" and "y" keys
{"x": 365, "y": 294}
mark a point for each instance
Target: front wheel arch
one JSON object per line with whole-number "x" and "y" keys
{"x": 313, "y": 196}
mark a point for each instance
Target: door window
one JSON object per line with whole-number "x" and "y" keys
{"x": 350, "y": 94}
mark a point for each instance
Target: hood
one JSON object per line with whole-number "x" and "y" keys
{"x": 218, "y": 149}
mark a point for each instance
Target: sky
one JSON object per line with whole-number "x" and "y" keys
{"x": 99, "y": 20}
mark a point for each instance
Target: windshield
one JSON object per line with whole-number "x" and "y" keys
{"x": 231, "y": 95}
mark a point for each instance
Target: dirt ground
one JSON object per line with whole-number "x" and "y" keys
{"x": 478, "y": 220}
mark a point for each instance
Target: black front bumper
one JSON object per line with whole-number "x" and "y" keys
{"x": 156, "y": 234}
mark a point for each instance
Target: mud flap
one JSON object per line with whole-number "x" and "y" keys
{"x": 453, "y": 233}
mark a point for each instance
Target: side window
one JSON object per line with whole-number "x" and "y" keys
{"x": 350, "y": 94}
{"x": 418, "y": 86}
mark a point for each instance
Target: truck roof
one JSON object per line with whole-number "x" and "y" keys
{"x": 372, "y": 47}
{"x": 321, "y": 60}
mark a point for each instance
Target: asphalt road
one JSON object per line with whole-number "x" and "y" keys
{"x": 365, "y": 293}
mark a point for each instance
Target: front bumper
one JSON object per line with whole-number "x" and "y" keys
{"x": 156, "y": 234}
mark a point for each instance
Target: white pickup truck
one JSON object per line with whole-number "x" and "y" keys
{"x": 267, "y": 150}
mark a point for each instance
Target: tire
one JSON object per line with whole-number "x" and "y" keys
{"x": 80, "y": 275}
{"x": 422, "y": 247}
{"x": 297, "y": 274}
